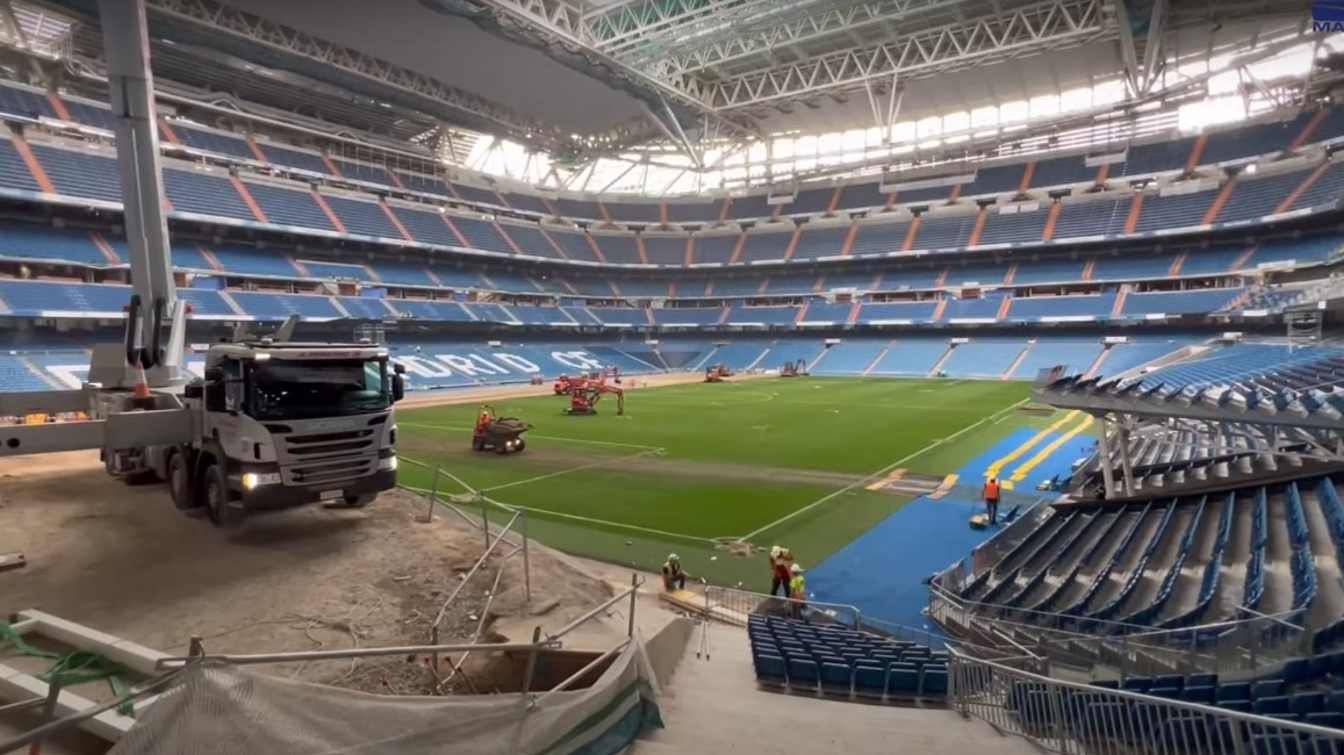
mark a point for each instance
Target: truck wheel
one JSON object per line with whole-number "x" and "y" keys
{"x": 215, "y": 490}
{"x": 180, "y": 485}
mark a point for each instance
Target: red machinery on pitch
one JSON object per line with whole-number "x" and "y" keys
{"x": 584, "y": 393}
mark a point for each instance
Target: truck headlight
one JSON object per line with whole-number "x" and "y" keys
{"x": 254, "y": 480}
{"x": 388, "y": 464}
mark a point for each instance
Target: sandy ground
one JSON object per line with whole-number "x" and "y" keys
{"x": 122, "y": 560}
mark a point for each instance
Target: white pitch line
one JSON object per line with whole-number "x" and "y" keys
{"x": 878, "y": 473}
{"x": 536, "y": 435}
{"x": 591, "y": 520}
{"x": 571, "y": 470}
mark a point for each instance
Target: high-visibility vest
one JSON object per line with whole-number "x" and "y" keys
{"x": 991, "y": 490}
{"x": 797, "y": 588}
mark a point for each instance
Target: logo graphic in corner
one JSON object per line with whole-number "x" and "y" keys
{"x": 1327, "y": 16}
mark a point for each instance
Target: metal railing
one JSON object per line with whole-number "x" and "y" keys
{"x": 1070, "y": 717}
{"x": 1110, "y": 648}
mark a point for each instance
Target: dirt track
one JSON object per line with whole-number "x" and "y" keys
{"x": 123, "y": 560}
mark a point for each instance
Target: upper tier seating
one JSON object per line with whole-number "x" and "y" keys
{"x": 1178, "y": 302}
{"x": 36, "y": 243}
{"x": 634, "y": 212}
{"x": 526, "y": 202}
{"x": 1173, "y": 211}
{"x": 212, "y": 141}
{"x": 1048, "y": 307}
{"x": 687, "y": 315}
{"x": 618, "y": 249}
{"x": 481, "y": 234}
{"x": 363, "y": 218}
{"x": 271, "y": 306}
{"x": 693, "y": 212}
{"x": 713, "y": 249}
{"x": 810, "y": 202}
{"x": 1013, "y": 228}
{"x": 244, "y": 260}
{"x": 204, "y": 194}
{"x": 766, "y": 246}
{"x": 80, "y": 174}
{"x": 42, "y": 299}
{"x": 873, "y": 239}
{"x": 90, "y": 174}
{"x": 293, "y": 158}
{"x": 375, "y": 174}
{"x": 425, "y": 226}
{"x": 24, "y": 102}
{"x": 14, "y": 174}
{"x": 286, "y": 206}
{"x": 944, "y": 231}
{"x": 1090, "y": 218}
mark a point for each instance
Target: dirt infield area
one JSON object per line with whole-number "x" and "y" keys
{"x": 121, "y": 559}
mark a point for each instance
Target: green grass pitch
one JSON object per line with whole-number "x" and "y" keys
{"x": 688, "y": 468}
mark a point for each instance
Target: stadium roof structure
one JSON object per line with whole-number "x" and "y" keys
{"x": 692, "y": 96}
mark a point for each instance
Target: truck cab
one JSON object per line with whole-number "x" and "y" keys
{"x": 276, "y": 425}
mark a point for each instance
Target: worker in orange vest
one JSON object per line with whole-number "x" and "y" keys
{"x": 484, "y": 419}
{"x": 992, "y": 500}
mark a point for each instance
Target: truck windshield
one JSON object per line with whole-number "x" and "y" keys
{"x": 299, "y": 389}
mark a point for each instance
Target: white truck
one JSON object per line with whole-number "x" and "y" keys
{"x": 271, "y": 424}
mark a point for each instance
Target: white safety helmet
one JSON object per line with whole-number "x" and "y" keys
{"x": 775, "y": 551}
{"x": 673, "y": 557}
{"x": 796, "y": 569}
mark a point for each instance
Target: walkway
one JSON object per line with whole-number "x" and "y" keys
{"x": 715, "y": 707}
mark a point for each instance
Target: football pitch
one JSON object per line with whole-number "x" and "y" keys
{"x": 698, "y": 469}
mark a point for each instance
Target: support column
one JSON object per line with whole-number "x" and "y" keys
{"x": 131, "y": 95}
{"x": 1126, "y": 465}
{"x": 1107, "y": 475}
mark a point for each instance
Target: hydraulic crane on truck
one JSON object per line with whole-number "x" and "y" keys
{"x": 272, "y": 423}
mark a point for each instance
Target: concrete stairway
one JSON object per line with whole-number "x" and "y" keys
{"x": 714, "y": 706}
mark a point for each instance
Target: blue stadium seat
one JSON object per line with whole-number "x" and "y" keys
{"x": 284, "y": 206}
{"x": 293, "y": 158}
{"x": 80, "y": 174}
{"x": 204, "y": 193}
{"x": 212, "y": 141}
{"x": 14, "y": 173}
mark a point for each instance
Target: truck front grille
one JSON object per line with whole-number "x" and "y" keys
{"x": 333, "y": 471}
{"x": 304, "y": 447}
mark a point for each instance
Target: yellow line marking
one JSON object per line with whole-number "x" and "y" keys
{"x": 895, "y": 475}
{"x": 1020, "y": 473}
{"x": 944, "y": 487}
{"x": 993, "y": 469}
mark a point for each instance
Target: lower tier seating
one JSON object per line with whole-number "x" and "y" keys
{"x": 842, "y": 663}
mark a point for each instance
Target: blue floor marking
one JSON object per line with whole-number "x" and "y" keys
{"x": 883, "y": 570}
